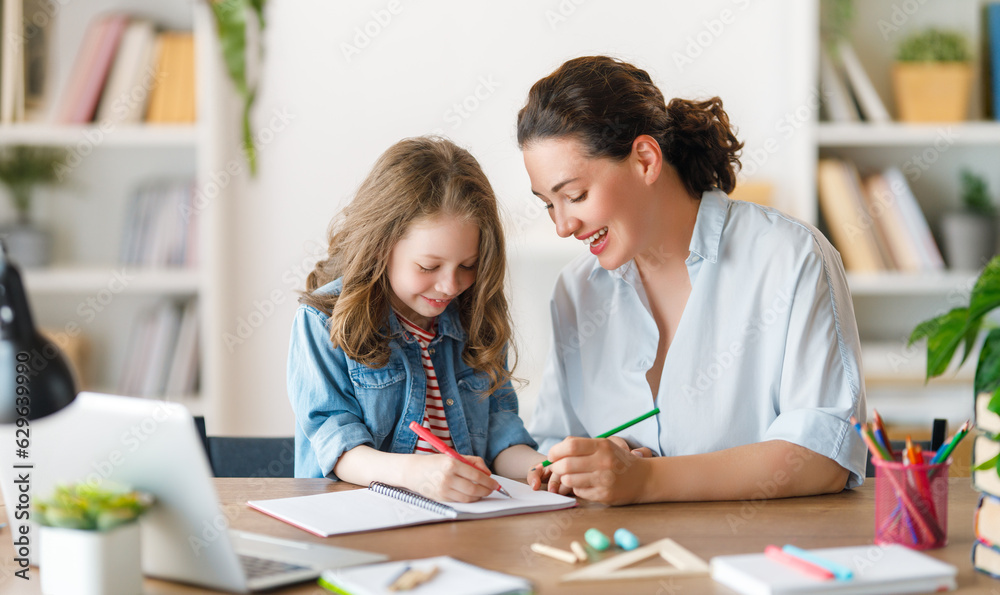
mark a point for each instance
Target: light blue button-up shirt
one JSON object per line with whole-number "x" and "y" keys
{"x": 767, "y": 347}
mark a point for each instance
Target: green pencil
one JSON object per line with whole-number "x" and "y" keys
{"x": 625, "y": 425}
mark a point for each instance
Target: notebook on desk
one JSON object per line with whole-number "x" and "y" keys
{"x": 382, "y": 506}
{"x": 153, "y": 446}
{"x": 877, "y": 569}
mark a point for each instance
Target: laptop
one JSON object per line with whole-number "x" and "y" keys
{"x": 153, "y": 446}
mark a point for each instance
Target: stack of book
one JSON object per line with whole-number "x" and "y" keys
{"x": 876, "y": 223}
{"x": 162, "y": 356}
{"x": 848, "y": 92}
{"x": 125, "y": 71}
{"x": 160, "y": 226}
{"x": 986, "y": 448}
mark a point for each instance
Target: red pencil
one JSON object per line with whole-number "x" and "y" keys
{"x": 779, "y": 555}
{"x": 443, "y": 448}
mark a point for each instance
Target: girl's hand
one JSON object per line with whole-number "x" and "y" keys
{"x": 600, "y": 469}
{"x": 440, "y": 477}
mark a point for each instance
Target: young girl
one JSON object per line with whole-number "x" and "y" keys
{"x": 406, "y": 320}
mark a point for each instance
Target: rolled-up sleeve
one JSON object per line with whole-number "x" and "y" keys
{"x": 327, "y": 415}
{"x": 821, "y": 384}
{"x": 506, "y": 428}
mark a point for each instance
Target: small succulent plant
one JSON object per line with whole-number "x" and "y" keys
{"x": 91, "y": 507}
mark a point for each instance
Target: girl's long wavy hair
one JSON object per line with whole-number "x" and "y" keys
{"x": 414, "y": 179}
{"x": 606, "y": 103}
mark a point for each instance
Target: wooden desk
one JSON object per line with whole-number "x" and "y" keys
{"x": 705, "y": 528}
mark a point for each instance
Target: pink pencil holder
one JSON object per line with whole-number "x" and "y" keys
{"x": 911, "y": 503}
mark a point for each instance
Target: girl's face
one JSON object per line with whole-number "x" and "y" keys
{"x": 431, "y": 265}
{"x": 598, "y": 201}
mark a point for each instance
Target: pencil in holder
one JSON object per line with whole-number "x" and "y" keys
{"x": 911, "y": 503}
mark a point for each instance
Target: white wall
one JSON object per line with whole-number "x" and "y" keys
{"x": 406, "y": 80}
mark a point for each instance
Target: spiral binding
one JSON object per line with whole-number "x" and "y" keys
{"x": 413, "y": 498}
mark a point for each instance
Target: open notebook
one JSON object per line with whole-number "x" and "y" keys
{"x": 382, "y": 506}
{"x": 453, "y": 576}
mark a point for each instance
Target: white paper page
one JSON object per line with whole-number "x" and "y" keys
{"x": 344, "y": 512}
{"x": 523, "y": 498}
{"x": 453, "y": 576}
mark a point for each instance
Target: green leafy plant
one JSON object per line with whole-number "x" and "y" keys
{"x": 24, "y": 167}
{"x": 962, "y": 326}
{"x": 91, "y": 508}
{"x": 975, "y": 194}
{"x": 231, "y": 26}
{"x": 836, "y": 17}
{"x": 934, "y": 45}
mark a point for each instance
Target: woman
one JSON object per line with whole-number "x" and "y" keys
{"x": 732, "y": 318}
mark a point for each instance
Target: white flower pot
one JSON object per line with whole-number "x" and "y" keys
{"x": 79, "y": 562}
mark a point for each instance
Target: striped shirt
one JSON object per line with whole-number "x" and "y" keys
{"x": 434, "y": 419}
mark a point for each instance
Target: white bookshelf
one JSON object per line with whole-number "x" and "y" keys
{"x": 889, "y": 305}
{"x": 134, "y": 136}
{"x": 87, "y": 213}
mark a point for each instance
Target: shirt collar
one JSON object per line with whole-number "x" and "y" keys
{"x": 708, "y": 226}
{"x": 712, "y": 211}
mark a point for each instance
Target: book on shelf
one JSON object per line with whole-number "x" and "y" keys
{"x": 160, "y": 225}
{"x": 985, "y": 448}
{"x": 132, "y": 76}
{"x": 162, "y": 352}
{"x": 172, "y": 99}
{"x": 11, "y": 63}
{"x": 868, "y": 98}
{"x": 846, "y": 218}
{"x": 992, "y": 35}
{"x": 837, "y": 101}
{"x": 876, "y": 224}
{"x": 986, "y": 421}
{"x": 90, "y": 71}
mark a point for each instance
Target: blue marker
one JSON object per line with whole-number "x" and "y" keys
{"x": 840, "y": 572}
{"x": 625, "y": 539}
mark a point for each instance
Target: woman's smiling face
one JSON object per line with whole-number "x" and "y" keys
{"x": 599, "y": 201}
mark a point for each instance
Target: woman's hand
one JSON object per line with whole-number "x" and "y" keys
{"x": 538, "y": 475}
{"x": 641, "y": 452}
{"x": 440, "y": 477}
{"x": 600, "y": 469}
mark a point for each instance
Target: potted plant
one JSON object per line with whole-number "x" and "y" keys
{"x": 22, "y": 168}
{"x": 970, "y": 234}
{"x": 89, "y": 541}
{"x": 932, "y": 77}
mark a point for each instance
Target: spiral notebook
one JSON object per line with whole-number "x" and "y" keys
{"x": 382, "y": 506}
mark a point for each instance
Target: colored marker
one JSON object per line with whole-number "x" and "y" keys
{"x": 840, "y": 572}
{"x": 782, "y": 557}
{"x": 624, "y": 426}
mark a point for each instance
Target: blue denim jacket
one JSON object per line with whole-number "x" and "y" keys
{"x": 340, "y": 403}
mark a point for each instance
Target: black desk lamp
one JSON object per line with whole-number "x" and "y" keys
{"x": 31, "y": 366}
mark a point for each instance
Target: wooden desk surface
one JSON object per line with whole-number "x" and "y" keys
{"x": 706, "y": 528}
